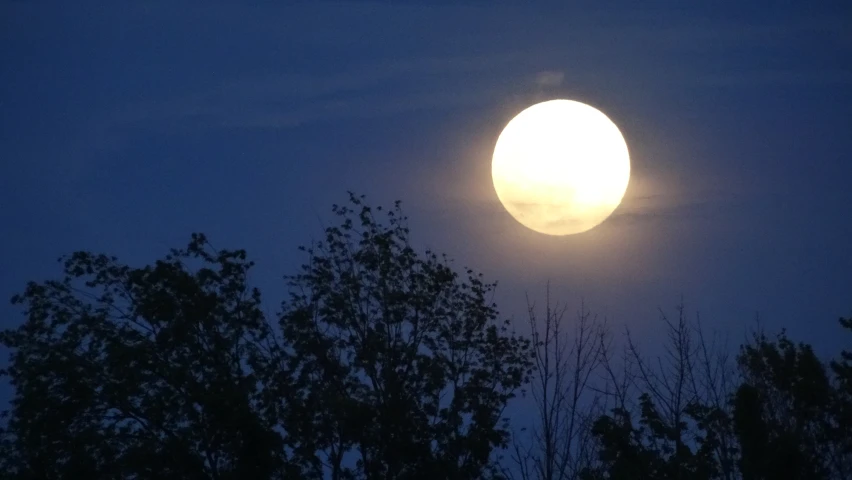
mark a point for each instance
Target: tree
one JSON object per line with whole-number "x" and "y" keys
{"x": 680, "y": 428}
{"x": 401, "y": 365}
{"x": 791, "y": 412}
{"x": 384, "y": 364}
{"x": 783, "y": 413}
{"x": 841, "y": 427}
{"x": 124, "y": 372}
{"x": 560, "y": 443}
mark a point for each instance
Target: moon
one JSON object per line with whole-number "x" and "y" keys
{"x": 560, "y": 167}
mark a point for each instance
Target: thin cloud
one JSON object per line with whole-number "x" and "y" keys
{"x": 778, "y": 78}
{"x": 392, "y": 87}
{"x": 290, "y": 100}
{"x": 662, "y": 207}
{"x": 549, "y": 78}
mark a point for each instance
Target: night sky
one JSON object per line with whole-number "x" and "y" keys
{"x": 126, "y": 126}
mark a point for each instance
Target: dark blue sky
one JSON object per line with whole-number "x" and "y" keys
{"x": 127, "y": 125}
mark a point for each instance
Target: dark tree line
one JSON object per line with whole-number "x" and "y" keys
{"x": 386, "y": 363}
{"x": 772, "y": 410}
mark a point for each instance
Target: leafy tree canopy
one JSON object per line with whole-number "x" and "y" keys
{"x": 383, "y": 363}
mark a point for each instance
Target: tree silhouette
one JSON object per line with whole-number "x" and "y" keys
{"x": 791, "y": 416}
{"x": 678, "y": 428}
{"x": 124, "y": 372}
{"x": 384, "y": 364}
{"x": 560, "y": 444}
{"x": 398, "y": 361}
{"x": 387, "y": 364}
{"x": 783, "y": 414}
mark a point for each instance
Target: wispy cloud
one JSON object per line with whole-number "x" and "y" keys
{"x": 290, "y": 100}
{"x": 550, "y": 78}
{"x": 671, "y": 206}
{"x": 636, "y": 211}
{"x": 556, "y": 57}
{"x": 777, "y": 78}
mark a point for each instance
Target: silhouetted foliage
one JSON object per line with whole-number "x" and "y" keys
{"x": 790, "y": 416}
{"x": 398, "y": 361}
{"x": 677, "y": 427}
{"x": 124, "y": 372}
{"x": 787, "y": 418}
{"x": 387, "y": 364}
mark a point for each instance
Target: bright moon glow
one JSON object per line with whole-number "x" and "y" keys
{"x": 560, "y": 167}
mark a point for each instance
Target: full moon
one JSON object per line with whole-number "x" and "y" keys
{"x": 560, "y": 167}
